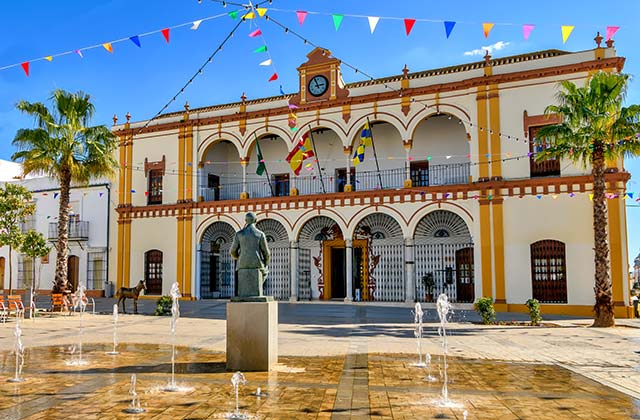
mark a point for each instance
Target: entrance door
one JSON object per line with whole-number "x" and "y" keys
{"x": 464, "y": 275}
{"x": 73, "y": 265}
{"x": 338, "y": 273}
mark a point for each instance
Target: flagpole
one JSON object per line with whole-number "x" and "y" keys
{"x": 315, "y": 153}
{"x": 373, "y": 146}
{"x": 266, "y": 172}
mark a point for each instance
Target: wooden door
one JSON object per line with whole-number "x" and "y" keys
{"x": 1, "y": 273}
{"x": 153, "y": 272}
{"x": 338, "y": 273}
{"x": 464, "y": 275}
{"x": 73, "y": 265}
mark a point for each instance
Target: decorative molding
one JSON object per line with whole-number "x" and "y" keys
{"x": 150, "y": 166}
{"x": 538, "y": 120}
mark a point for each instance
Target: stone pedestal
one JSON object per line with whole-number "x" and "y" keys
{"x": 252, "y": 335}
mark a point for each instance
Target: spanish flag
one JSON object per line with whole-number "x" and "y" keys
{"x": 300, "y": 152}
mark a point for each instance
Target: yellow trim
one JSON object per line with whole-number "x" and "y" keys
{"x": 483, "y": 147}
{"x": 180, "y": 252}
{"x": 188, "y": 250}
{"x": 188, "y": 159}
{"x": 574, "y": 310}
{"x": 129, "y": 170}
{"x": 485, "y": 249}
{"x": 122, "y": 170}
{"x": 181, "y": 165}
{"x": 494, "y": 120}
{"x": 498, "y": 252}
{"x": 120, "y": 255}
{"x": 326, "y": 264}
{"x": 615, "y": 248}
{"x": 126, "y": 282}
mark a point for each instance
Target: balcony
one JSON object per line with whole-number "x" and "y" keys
{"x": 78, "y": 231}
{"x": 434, "y": 175}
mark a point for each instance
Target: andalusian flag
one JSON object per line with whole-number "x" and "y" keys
{"x": 303, "y": 150}
{"x": 261, "y": 166}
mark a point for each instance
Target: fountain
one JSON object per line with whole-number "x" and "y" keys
{"x": 429, "y": 377}
{"x": 115, "y": 330}
{"x": 444, "y": 307}
{"x": 134, "y": 407}
{"x": 80, "y": 305}
{"x": 175, "y": 314}
{"x": 417, "y": 316}
{"x": 19, "y": 351}
{"x": 236, "y": 380}
{"x": 259, "y": 393}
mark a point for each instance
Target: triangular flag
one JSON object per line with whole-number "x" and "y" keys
{"x": 79, "y": 53}
{"x": 448, "y": 27}
{"x": 55, "y": 195}
{"x": 611, "y": 30}
{"x": 260, "y": 49}
{"x": 196, "y": 24}
{"x": 49, "y": 58}
{"x": 25, "y": 67}
{"x": 486, "y": 28}
{"x": 282, "y": 93}
{"x": 107, "y": 46}
{"x": 302, "y": 15}
{"x": 373, "y": 22}
{"x": 337, "y": 20}
{"x": 100, "y": 194}
{"x": 261, "y": 11}
{"x": 136, "y": 40}
{"x": 249, "y": 15}
{"x": 630, "y": 194}
{"x": 255, "y": 33}
{"x": 165, "y": 34}
{"x": 273, "y": 77}
{"x": 566, "y": 32}
{"x": 266, "y": 62}
{"x": 526, "y": 30}
{"x": 591, "y": 197}
{"x": 233, "y": 15}
{"x": 408, "y": 25}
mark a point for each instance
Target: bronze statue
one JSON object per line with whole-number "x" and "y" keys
{"x": 131, "y": 293}
{"x": 250, "y": 249}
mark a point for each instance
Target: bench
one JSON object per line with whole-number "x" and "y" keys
{"x": 59, "y": 303}
{"x": 15, "y": 305}
{"x": 3, "y": 310}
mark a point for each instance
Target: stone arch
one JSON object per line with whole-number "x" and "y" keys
{"x": 445, "y": 206}
{"x": 278, "y": 217}
{"x": 381, "y": 209}
{"x": 379, "y": 226}
{"x": 218, "y": 233}
{"x": 213, "y": 139}
{"x": 319, "y": 228}
{"x": 353, "y": 134}
{"x": 275, "y": 232}
{"x": 217, "y": 273}
{"x": 424, "y": 113}
{"x": 309, "y": 215}
{"x": 264, "y": 131}
{"x": 320, "y": 124}
{"x": 442, "y": 226}
{"x": 222, "y": 218}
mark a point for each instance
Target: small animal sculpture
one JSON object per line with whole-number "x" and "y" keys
{"x": 132, "y": 293}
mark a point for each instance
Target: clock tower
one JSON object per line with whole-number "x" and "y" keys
{"x": 320, "y": 79}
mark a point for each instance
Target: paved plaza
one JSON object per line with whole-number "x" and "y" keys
{"x": 337, "y": 361}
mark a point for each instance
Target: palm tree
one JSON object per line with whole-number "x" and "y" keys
{"x": 595, "y": 127}
{"x": 64, "y": 146}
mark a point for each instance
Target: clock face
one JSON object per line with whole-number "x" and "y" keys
{"x": 318, "y": 85}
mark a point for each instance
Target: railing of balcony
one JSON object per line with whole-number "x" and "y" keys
{"x": 435, "y": 175}
{"x": 77, "y": 230}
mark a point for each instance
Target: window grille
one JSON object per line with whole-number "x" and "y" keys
{"x": 155, "y": 187}
{"x": 549, "y": 271}
{"x": 96, "y": 270}
{"x": 549, "y": 167}
{"x": 153, "y": 272}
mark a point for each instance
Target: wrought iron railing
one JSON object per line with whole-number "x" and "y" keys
{"x": 435, "y": 175}
{"x": 78, "y": 230}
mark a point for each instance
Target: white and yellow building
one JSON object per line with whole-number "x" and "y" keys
{"x": 457, "y": 204}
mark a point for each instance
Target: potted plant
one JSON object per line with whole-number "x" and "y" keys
{"x": 429, "y": 285}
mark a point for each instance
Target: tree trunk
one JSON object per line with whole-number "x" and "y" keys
{"x": 603, "y": 308}
{"x": 10, "y": 273}
{"x": 60, "y": 284}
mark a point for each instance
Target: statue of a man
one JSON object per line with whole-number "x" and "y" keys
{"x": 250, "y": 249}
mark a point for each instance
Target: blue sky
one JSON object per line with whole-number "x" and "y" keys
{"x": 142, "y": 80}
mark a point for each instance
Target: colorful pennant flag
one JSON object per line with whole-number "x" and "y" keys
{"x": 302, "y": 15}
{"x": 260, "y": 49}
{"x": 337, "y": 20}
{"x": 261, "y": 166}
{"x": 408, "y": 25}
{"x": 100, "y": 194}
{"x": 196, "y": 25}
{"x": 611, "y": 30}
{"x": 233, "y": 15}
{"x": 526, "y": 30}
{"x": 107, "y": 46}
{"x": 165, "y": 34}
{"x": 273, "y": 77}
{"x": 55, "y": 195}
{"x": 630, "y": 194}
{"x": 25, "y": 67}
{"x": 486, "y": 28}
{"x": 136, "y": 40}
{"x": 282, "y": 93}
{"x": 303, "y": 150}
{"x": 266, "y": 62}
{"x": 255, "y": 33}
{"x": 261, "y": 11}
{"x": 373, "y": 22}
{"x": 79, "y": 53}
{"x": 566, "y": 32}
{"x": 49, "y": 58}
{"x": 249, "y": 15}
{"x": 448, "y": 27}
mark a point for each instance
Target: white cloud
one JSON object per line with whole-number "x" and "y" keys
{"x": 491, "y": 48}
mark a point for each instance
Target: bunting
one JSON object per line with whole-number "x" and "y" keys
{"x": 249, "y": 15}
{"x": 25, "y": 67}
{"x": 79, "y": 53}
{"x": 273, "y": 77}
{"x": 266, "y": 62}
{"x": 233, "y": 15}
{"x": 196, "y": 25}
{"x": 107, "y": 46}
{"x": 526, "y": 30}
{"x": 165, "y": 34}
{"x": 408, "y": 25}
{"x": 302, "y": 15}
{"x": 49, "y": 58}
{"x": 260, "y": 49}
{"x": 261, "y": 11}
{"x": 448, "y": 27}
{"x": 136, "y": 40}
{"x": 255, "y": 33}
{"x": 566, "y": 32}
{"x": 337, "y": 20}
{"x": 611, "y": 30}
{"x": 486, "y": 28}
{"x": 301, "y": 151}
{"x": 373, "y": 22}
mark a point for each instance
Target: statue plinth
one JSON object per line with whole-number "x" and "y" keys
{"x": 252, "y": 334}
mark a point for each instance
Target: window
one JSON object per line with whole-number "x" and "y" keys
{"x": 549, "y": 167}
{"x": 341, "y": 179}
{"x": 155, "y": 187}
{"x": 548, "y": 271}
{"x": 213, "y": 182}
{"x": 281, "y": 185}
{"x": 419, "y": 173}
{"x": 96, "y": 270}
{"x": 25, "y": 273}
{"x": 153, "y": 272}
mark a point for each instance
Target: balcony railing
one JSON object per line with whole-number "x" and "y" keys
{"x": 435, "y": 175}
{"x": 78, "y": 230}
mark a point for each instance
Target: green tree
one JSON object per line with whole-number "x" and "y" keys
{"x": 15, "y": 207}
{"x": 64, "y": 146}
{"x": 595, "y": 127}
{"x": 34, "y": 246}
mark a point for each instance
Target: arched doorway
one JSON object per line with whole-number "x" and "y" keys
{"x": 444, "y": 258}
{"x": 220, "y": 173}
{"x": 217, "y": 269}
{"x": 73, "y": 269}
{"x": 321, "y": 260}
{"x": 153, "y": 268}
{"x": 379, "y": 261}
{"x": 278, "y": 283}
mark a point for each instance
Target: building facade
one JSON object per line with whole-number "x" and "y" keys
{"x": 446, "y": 199}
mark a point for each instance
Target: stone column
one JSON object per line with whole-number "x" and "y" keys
{"x": 348, "y": 187}
{"x": 407, "y": 163}
{"x": 293, "y": 265}
{"x": 349, "y": 258}
{"x": 409, "y": 271}
{"x": 198, "y": 274}
{"x": 202, "y": 181}
{"x": 244, "y": 162}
